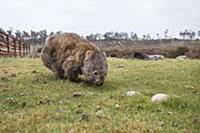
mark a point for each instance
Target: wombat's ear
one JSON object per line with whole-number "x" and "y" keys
{"x": 88, "y": 54}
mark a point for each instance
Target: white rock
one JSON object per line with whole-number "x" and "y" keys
{"x": 159, "y": 98}
{"x": 117, "y": 106}
{"x": 181, "y": 57}
{"x": 132, "y": 93}
{"x": 155, "y": 57}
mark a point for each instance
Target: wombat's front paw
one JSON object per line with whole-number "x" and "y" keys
{"x": 89, "y": 83}
{"x": 78, "y": 80}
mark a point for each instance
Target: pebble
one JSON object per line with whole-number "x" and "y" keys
{"x": 159, "y": 98}
{"x": 99, "y": 113}
{"x": 34, "y": 71}
{"x": 117, "y": 106}
{"x": 120, "y": 66}
{"x": 84, "y": 116}
{"x": 77, "y": 94}
{"x": 132, "y": 93}
{"x": 13, "y": 75}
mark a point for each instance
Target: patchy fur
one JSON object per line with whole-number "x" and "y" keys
{"x": 68, "y": 55}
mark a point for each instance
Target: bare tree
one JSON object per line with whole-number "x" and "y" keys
{"x": 10, "y": 31}
{"x": 134, "y": 36}
{"x": 158, "y": 36}
{"x": 166, "y": 33}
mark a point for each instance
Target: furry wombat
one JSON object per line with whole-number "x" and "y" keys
{"x": 69, "y": 55}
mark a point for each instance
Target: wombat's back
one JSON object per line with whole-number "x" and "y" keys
{"x": 71, "y": 43}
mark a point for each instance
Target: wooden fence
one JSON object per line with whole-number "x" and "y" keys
{"x": 10, "y": 46}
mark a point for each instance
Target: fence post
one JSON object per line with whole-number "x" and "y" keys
{"x": 19, "y": 48}
{"x": 26, "y": 48}
{"x": 15, "y": 54}
{"x": 23, "y": 49}
{"x": 29, "y": 49}
{"x": 8, "y": 47}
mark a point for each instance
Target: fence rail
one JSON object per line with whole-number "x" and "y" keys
{"x": 10, "y": 46}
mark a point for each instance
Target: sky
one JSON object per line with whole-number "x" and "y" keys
{"x": 99, "y": 16}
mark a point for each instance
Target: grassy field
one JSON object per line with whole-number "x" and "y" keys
{"x": 32, "y": 100}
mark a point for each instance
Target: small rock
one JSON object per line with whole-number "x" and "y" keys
{"x": 13, "y": 75}
{"x": 99, "y": 114}
{"x": 23, "y": 104}
{"x": 98, "y": 108}
{"x": 158, "y": 110}
{"x": 120, "y": 66}
{"x": 117, "y": 106}
{"x": 45, "y": 82}
{"x": 4, "y": 88}
{"x": 44, "y": 101}
{"x": 194, "y": 91}
{"x": 84, "y": 116}
{"x": 159, "y": 98}
{"x": 139, "y": 107}
{"x": 169, "y": 113}
{"x": 4, "y": 79}
{"x": 11, "y": 101}
{"x": 34, "y": 71}
{"x": 174, "y": 124}
{"x": 79, "y": 111}
{"x": 77, "y": 94}
{"x": 181, "y": 57}
{"x": 21, "y": 94}
{"x": 5, "y": 71}
{"x": 48, "y": 100}
{"x": 196, "y": 120}
{"x": 132, "y": 93}
{"x": 189, "y": 87}
{"x": 161, "y": 123}
{"x": 136, "y": 78}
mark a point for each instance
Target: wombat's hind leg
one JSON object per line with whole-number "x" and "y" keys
{"x": 73, "y": 74}
{"x": 71, "y": 71}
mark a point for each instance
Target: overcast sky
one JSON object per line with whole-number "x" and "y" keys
{"x": 91, "y": 16}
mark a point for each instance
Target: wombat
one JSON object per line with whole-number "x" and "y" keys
{"x": 68, "y": 55}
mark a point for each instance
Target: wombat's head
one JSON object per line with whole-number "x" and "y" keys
{"x": 95, "y": 67}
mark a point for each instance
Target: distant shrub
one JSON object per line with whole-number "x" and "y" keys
{"x": 182, "y": 50}
{"x": 194, "y": 53}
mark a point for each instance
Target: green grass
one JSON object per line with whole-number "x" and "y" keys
{"x": 36, "y": 102}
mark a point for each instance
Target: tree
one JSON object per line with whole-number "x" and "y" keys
{"x": 34, "y": 36}
{"x": 144, "y": 37}
{"x": 108, "y": 35}
{"x": 134, "y": 36}
{"x": 158, "y": 36}
{"x": 42, "y": 36}
{"x": 97, "y": 36}
{"x": 25, "y": 35}
{"x": 10, "y": 31}
{"x": 90, "y": 37}
{"x": 148, "y": 36}
{"x": 192, "y": 34}
{"x": 18, "y": 34}
{"x": 116, "y": 35}
{"x": 182, "y": 35}
{"x": 2, "y": 30}
{"x": 165, "y": 33}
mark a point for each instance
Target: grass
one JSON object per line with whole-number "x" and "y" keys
{"x": 32, "y": 100}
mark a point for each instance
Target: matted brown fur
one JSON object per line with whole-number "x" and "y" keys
{"x": 69, "y": 55}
